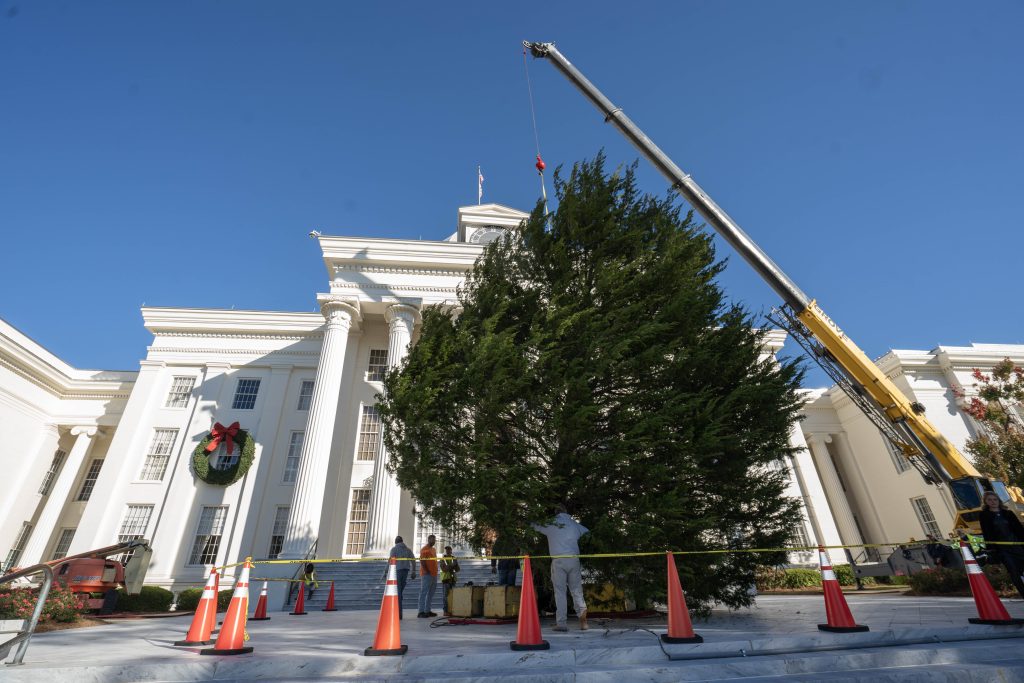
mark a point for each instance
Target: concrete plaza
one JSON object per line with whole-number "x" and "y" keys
{"x": 911, "y": 639}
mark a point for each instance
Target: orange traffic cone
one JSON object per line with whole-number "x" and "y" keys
{"x": 837, "y": 612}
{"x": 300, "y": 602}
{"x": 990, "y": 607}
{"x": 329, "y": 607}
{"x": 261, "y": 605}
{"x": 388, "y": 640}
{"x": 206, "y": 611}
{"x": 680, "y": 629}
{"x": 231, "y": 640}
{"x": 528, "y": 631}
{"x": 212, "y": 617}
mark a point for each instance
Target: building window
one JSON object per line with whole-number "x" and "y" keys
{"x": 800, "y": 539}
{"x": 90, "y": 479}
{"x": 58, "y": 459}
{"x": 291, "y": 465}
{"x": 159, "y": 454}
{"x": 220, "y": 459}
{"x": 369, "y": 434}
{"x": 378, "y": 365}
{"x": 14, "y": 554}
{"x": 277, "y": 534}
{"x": 208, "y": 533}
{"x": 357, "y": 521}
{"x": 63, "y": 543}
{"x": 305, "y": 394}
{"x": 898, "y": 459}
{"x": 925, "y": 516}
{"x": 133, "y": 526}
{"x": 245, "y": 394}
{"x": 181, "y": 392}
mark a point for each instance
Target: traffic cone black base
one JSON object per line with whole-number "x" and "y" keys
{"x": 192, "y": 642}
{"x": 542, "y": 645}
{"x": 370, "y": 652}
{"x": 259, "y": 618}
{"x": 996, "y": 622}
{"x": 238, "y": 651}
{"x": 666, "y": 638}
{"x": 842, "y": 629}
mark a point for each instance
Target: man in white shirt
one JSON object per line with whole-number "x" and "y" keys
{"x": 563, "y": 539}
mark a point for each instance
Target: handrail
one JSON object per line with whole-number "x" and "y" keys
{"x": 47, "y": 569}
{"x": 310, "y": 555}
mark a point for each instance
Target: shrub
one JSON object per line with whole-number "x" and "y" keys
{"x": 188, "y": 599}
{"x": 768, "y": 578}
{"x": 801, "y": 578}
{"x": 224, "y": 599}
{"x": 17, "y": 603}
{"x": 149, "y": 599}
{"x": 61, "y": 604}
{"x": 939, "y": 581}
{"x": 846, "y": 577}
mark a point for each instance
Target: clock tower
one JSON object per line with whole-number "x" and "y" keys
{"x": 484, "y": 223}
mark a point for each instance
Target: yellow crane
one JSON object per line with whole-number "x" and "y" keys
{"x": 900, "y": 420}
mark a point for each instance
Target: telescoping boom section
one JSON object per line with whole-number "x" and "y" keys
{"x": 901, "y": 421}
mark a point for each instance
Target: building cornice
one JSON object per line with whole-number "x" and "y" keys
{"x": 29, "y": 360}
{"x": 403, "y": 256}
{"x": 279, "y": 325}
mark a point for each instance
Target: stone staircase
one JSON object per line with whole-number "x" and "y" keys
{"x": 360, "y": 585}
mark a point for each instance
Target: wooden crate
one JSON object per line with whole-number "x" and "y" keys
{"x": 468, "y": 601}
{"x": 501, "y": 602}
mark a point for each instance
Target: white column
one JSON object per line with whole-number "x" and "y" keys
{"x": 308, "y": 496}
{"x": 44, "y": 448}
{"x": 58, "y": 496}
{"x": 866, "y": 504}
{"x": 837, "y": 500}
{"x": 385, "y": 500}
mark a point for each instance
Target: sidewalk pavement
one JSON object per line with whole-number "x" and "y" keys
{"x": 324, "y": 645}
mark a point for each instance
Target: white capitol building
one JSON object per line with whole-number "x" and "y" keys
{"x": 91, "y": 457}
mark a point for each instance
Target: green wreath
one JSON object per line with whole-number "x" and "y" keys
{"x": 228, "y": 476}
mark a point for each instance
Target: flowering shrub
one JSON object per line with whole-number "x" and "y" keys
{"x": 939, "y": 581}
{"x": 61, "y": 604}
{"x": 17, "y": 603}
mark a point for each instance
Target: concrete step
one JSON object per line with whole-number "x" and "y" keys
{"x": 360, "y": 585}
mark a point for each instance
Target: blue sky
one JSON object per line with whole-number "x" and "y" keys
{"x": 178, "y": 153}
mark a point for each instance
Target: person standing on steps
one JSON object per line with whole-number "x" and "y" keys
{"x": 309, "y": 579}
{"x": 563, "y": 545}
{"x": 449, "y": 567}
{"x": 405, "y": 562}
{"x": 428, "y": 577}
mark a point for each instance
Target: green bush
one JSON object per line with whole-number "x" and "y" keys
{"x": 188, "y": 599}
{"x": 149, "y": 599}
{"x": 768, "y": 578}
{"x": 224, "y": 599}
{"x": 939, "y": 581}
{"x": 801, "y": 578}
{"x": 846, "y": 577}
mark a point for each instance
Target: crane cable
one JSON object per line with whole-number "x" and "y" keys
{"x": 540, "y": 165}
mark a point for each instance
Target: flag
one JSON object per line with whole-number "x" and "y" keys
{"x": 479, "y": 185}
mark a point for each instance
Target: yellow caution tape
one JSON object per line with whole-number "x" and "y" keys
{"x": 593, "y": 556}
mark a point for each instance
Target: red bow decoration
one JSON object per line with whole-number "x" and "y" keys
{"x": 220, "y": 433}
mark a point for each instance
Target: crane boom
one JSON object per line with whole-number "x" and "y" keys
{"x": 900, "y": 420}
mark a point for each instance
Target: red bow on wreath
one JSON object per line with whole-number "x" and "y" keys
{"x": 220, "y": 433}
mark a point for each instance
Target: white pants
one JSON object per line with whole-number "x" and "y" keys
{"x": 565, "y": 573}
